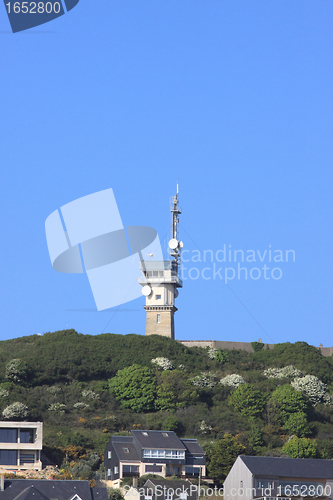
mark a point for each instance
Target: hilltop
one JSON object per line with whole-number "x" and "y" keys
{"x": 85, "y": 388}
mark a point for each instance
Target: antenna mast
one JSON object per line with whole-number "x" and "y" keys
{"x": 176, "y": 211}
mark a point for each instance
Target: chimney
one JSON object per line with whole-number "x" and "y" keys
{"x": 2, "y": 482}
{"x": 135, "y": 482}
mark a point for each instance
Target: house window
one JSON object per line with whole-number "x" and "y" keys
{"x": 109, "y": 472}
{"x": 165, "y": 434}
{"x": 130, "y": 470}
{"x": 126, "y": 450}
{"x": 158, "y": 297}
{"x": 155, "y": 469}
{"x": 145, "y": 433}
{"x": 158, "y": 318}
{"x": 8, "y": 457}
{"x": 8, "y": 435}
{"x": 109, "y": 454}
{"x": 192, "y": 471}
{"x": 172, "y": 471}
{"x": 116, "y": 469}
{"x": 169, "y": 494}
{"x": 26, "y": 436}
{"x": 27, "y": 458}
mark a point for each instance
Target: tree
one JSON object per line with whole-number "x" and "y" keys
{"x": 223, "y": 455}
{"x": 174, "y": 391}
{"x": 301, "y": 448}
{"x": 221, "y": 356}
{"x": 135, "y": 388}
{"x": 247, "y": 400}
{"x": 297, "y": 424}
{"x": 17, "y": 370}
{"x": 285, "y": 401}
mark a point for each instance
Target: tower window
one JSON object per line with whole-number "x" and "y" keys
{"x": 158, "y": 297}
{"x": 158, "y": 318}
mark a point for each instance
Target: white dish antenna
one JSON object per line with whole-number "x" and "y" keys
{"x": 181, "y": 244}
{"x": 146, "y": 290}
{"x": 176, "y": 293}
{"x": 173, "y": 244}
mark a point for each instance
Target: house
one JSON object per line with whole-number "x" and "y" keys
{"x": 153, "y": 452}
{"x": 20, "y": 445}
{"x": 274, "y": 477}
{"x": 167, "y": 489}
{"x": 41, "y": 489}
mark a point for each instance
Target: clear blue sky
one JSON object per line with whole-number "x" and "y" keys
{"x": 232, "y": 97}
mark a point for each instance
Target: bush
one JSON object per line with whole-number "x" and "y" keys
{"x": 232, "y": 380}
{"x": 247, "y": 401}
{"x": 15, "y": 411}
{"x": 301, "y": 448}
{"x": 312, "y": 388}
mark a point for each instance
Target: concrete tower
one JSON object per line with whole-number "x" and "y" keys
{"x": 160, "y": 282}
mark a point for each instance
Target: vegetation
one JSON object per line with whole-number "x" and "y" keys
{"x": 87, "y": 388}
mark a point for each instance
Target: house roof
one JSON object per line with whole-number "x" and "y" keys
{"x": 99, "y": 493}
{"x": 165, "y": 440}
{"x": 41, "y": 489}
{"x": 289, "y": 467}
{"x": 193, "y": 446}
{"x": 122, "y": 439}
{"x": 123, "y": 454}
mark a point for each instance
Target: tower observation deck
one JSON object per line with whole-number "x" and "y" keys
{"x": 160, "y": 281}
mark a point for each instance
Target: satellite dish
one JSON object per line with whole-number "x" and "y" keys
{"x": 146, "y": 290}
{"x": 176, "y": 293}
{"x": 173, "y": 244}
{"x": 181, "y": 244}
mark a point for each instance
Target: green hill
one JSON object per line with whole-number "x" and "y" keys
{"x": 85, "y": 388}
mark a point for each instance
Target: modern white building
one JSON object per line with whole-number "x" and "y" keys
{"x": 20, "y": 445}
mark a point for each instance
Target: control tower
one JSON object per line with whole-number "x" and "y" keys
{"x": 160, "y": 282}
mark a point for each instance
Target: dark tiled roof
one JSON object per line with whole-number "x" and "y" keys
{"x": 156, "y": 439}
{"x": 42, "y": 489}
{"x": 132, "y": 453}
{"x": 289, "y": 467}
{"x": 122, "y": 439}
{"x": 193, "y": 446}
{"x": 99, "y": 493}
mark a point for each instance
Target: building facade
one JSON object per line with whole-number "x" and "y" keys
{"x": 153, "y": 452}
{"x": 275, "y": 478}
{"x": 20, "y": 445}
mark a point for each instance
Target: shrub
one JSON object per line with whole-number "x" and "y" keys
{"x": 15, "y": 410}
{"x": 286, "y": 371}
{"x": 257, "y": 346}
{"x": 88, "y": 393}
{"x": 312, "y": 388}
{"x": 16, "y": 370}
{"x": 3, "y": 393}
{"x": 163, "y": 363}
{"x": 57, "y": 407}
{"x": 284, "y": 401}
{"x": 297, "y": 424}
{"x": 206, "y": 379}
{"x": 81, "y": 406}
{"x": 211, "y": 352}
{"x": 234, "y": 380}
{"x": 205, "y": 428}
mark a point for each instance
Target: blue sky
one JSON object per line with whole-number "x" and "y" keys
{"x": 232, "y": 97}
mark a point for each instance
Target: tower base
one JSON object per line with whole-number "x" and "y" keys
{"x": 160, "y": 320}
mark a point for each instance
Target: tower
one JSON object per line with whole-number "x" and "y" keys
{"x": 160, "y": 282}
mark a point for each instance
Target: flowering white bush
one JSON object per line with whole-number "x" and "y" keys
{"x": 16, "y": 370}
{"x": 163, "y": 363}
{"x": 3, "y": 393}
{"x": 81, "y": 406}
{"x": 15, "y": 410}
{"x": 287, "y": 371}
{"x": 234, "y": 380}
{"x": 57, "y": 407}
{"x": 211, "y": 351}
{"x": 205, "y": 428}
{"x": 88, "y": 393}
{"x": 181, "y": 367}
{"x": 313, "y": 388}
{"x": 53, "y": 389}
{"x": 206, "y": 379}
